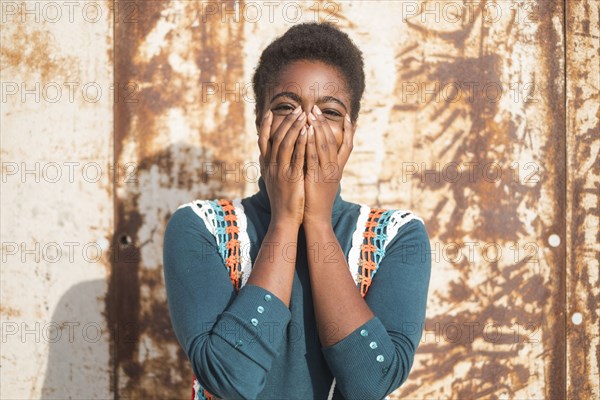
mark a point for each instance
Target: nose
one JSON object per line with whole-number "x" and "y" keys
{"x": 307, "y": 107}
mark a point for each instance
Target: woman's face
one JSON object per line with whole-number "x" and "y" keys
{"x": 306, "y": 83}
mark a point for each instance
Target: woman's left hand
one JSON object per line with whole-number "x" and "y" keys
{"x": 324, "y": 167}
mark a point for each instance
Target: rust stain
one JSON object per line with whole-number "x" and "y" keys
{"x": 511, "y": 292}
{"x": 123, "y": 296}
{"x": 477, "y": 129}
{"x": 9, "y": 312}
{"x": 34, "y": 51}
{"x": 583, "y": 186}
{"x": 552, "y": 47}
{"x": 128, "y": 38}
{"x": 143, "y": 340}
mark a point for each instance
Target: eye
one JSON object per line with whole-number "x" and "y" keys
{"x": 284, "y": 107}
{"x": 332, "y": 112}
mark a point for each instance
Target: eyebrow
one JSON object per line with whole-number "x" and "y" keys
{"x": 297, "y": 99}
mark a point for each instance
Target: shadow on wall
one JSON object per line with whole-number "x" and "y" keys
{"x": 136, "y": 350}
{"x": 78, "y": 360}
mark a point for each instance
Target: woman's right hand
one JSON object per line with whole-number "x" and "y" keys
{"x": 281, "y": 165}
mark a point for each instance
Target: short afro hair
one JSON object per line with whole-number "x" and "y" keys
{"x": 316, "y": 42}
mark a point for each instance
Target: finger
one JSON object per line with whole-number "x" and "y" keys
{"x": 347, "y": 142}
{"x": 328, "y": 134}
{"x": 321, "y": 145}
{"x": 299, "y": 151}
{"x": 279, "y": 134}
{"x": 312, "y": 158}
{"x": 264, "y": 133}
{"x": 286, "y": 147}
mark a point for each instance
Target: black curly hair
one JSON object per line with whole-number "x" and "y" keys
{"x": 311, "y": 41}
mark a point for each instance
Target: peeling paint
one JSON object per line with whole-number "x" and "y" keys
{"x": 519, "y": 294}
{"x": 515, "y": 253}
{"x": 583, "y": 188}
{"x": 169, "y": 76}
{"x": 522, "y": 293}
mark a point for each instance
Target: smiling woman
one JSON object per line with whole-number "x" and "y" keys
{"x": 294, "y": 292}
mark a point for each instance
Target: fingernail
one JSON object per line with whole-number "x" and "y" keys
{"x": 311, "y": 131}
{"x": 312, "y": 116}
{"x": 303, "y": 131}
{"x": 348, "y": 117}
{"x": 297, "y": 110}
{"x": 302, "y": 116}
{"x": 266, "y": 114}
{"x": 317, "y": 110}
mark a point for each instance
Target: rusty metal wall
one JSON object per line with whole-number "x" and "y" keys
{"x": 482, "y": 117}
{"x": 164, "y": 52}
{"x": 583, "y": 189}
{"x": 56, "y": 213}
{"x": 489, "y": 110}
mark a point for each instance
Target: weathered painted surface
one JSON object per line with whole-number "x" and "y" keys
{"x": 583, "y": 190}
{"x": 496, "y": 325}
{"x": 508, "y": 307}
{"x": 56, "y": 122}
{"x": 465, "y": 120}
{"x": 165, "y": 52}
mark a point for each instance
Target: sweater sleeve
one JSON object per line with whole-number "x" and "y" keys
{"x": 230, "y": 338}
{"x": 376, "y": 358}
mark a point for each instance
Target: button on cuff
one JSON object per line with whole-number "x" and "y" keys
{"x": 368, "y": 349}
{"x": 254, "y": 327}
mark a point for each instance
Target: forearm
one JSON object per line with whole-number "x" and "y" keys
{"x": 275, "y": 262}
{"x": 339, "y": 307}
{"x": 216, "y": 327}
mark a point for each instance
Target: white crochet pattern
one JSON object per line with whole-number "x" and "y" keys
{"x": 357, "y": 241}
{"x": 244, "y": 239}
{"x": 203, "y": 209}
{"x": 395, "y": 222}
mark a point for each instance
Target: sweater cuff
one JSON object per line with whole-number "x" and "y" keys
{"x": 255, "y": 324}
{"x": 367, "y": 351}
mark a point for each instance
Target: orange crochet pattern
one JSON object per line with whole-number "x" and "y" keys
{"x": 232, "y": 261}
{"x": 367, "y": 261}
{"x": 233, "y": 244}
{"x": 227, "y": 230}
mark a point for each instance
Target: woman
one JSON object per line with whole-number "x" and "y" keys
{"x": 275, "y": 296}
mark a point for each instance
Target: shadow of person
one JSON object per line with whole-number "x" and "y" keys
{"x": 78, "y": 361}
{"x": 138, "y": 354}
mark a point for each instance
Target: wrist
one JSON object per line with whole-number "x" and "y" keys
{"x": 283, "y": 225}
{"x": 319, "y": 223}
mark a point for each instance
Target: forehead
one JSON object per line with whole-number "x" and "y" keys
{"x": 309, "y": 78}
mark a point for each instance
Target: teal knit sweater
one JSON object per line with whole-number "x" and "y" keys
{"x": 250, "y": 345}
